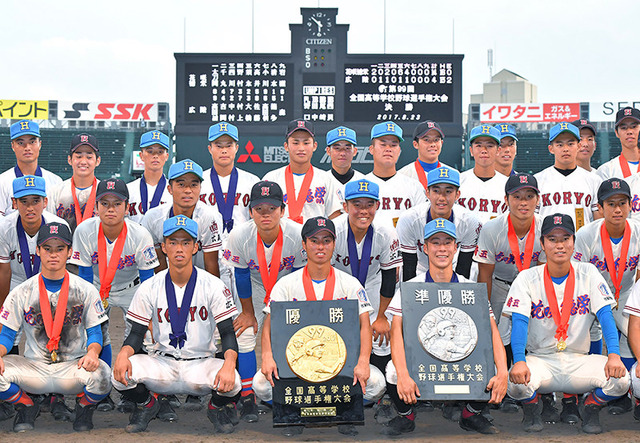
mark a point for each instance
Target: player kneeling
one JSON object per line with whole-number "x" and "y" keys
{"x": 552, "y": 309}
{"x": 184, "y": 305}
{"x": 60, "y": 314}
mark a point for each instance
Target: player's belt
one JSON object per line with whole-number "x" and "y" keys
{"x": 135, "y": 282}
{"x": 508, "y": 283}
{"x": 166, "y": 354}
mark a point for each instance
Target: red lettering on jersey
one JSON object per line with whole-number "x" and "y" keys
{"x": 245, "y": 200}
{"x": 461, "y": 202}
{"x": 192, "y": 312}
{"x": 579, "y": 196}
{"x": 202, "y": 198}
{"x": 204, "y": 314}
{"x": 494, "y": 206}
{"x": 545, "y": 200}
{"x": 132, "y": 209}
{"x": 397, "y": 201}
{"x": 159, "y": 315}
{"x": 472, "y": 204}
{"x": 556, "y": 198}
{"x": 385, "y": 203}
{"x": 484, "y": 203}
{"x": 566, "y": 198}
{"x": 407, "y": 203}
{"x": 235, "y": 202}
{"x": 587, "y": 201}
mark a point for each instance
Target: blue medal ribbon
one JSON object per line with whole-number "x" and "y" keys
{"x": 18, "y": 172}
{"x": 178, "y": 317}
{"x": 454, "y": 278}
{"x": 429, "y": 218}
{"x": 359, "y": 267}
{"x": 157, "y": 195}
{"x": 225, "y": 205}
{"x": 24, "y": 251}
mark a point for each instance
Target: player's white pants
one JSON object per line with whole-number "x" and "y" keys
{"x": 568, "y": 372}
{"x": 373, "y": 391}
{"x": 38, "y": 377}
{"x": 165, "y": 375}
{"x": 385, "y": 349}
{"x": 499, "y": 291}
{"x": 635, "y": 381}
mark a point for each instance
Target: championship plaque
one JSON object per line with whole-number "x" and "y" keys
{"x": 447, "y": 336}
{"x": 316, "y": 345}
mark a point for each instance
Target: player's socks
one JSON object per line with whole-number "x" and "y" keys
{"x": 401, "y": 407}
{"x": 15, "y": 395}
{"x": 106, "y": 355}
{"x": 469, "y": 411}
{"x": 565, "y": 395}
{"x": 533, "y": 399}
{"x": 597, "y": 397}
{"x": 247, "y": 365}
{"x": 87, "y": 398}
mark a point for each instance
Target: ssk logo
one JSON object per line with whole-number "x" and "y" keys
{"x": 108, "y": 111}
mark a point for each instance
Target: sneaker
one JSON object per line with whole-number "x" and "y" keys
{"x": 232, "y": 413}
{"x": 292, "y": 431}
{"x": 105, "y": 405}
{"x": 398, "y": 425}
{"x": 549, "y": 411}
{"x": 591, "y": 419}
{"x": 6, "y": 410}
{"x": 83, "y": 420}
{"x": 532, "y": 417}
{"x": 384, "y": 410}
{"x": 452, "y": 411}
{"x": 478, "y": 423}
{"x": 166, "y": 412}
{"x": 264, "y": 408}
{"x": 570, "y": 413}
{"x": 193, "y": 403}
{"x": 125, "y": 405}
{"x": 59, "y": 409}
{"x": 174, "y": 401}
{"x": 248, "y": 409}
{"x": 348, "y": 430}
{"x": 220, "y": 419}
{"x": 509, "y": 405}
{"x": 25, "y": 417}
{"x": 141, "y": 416}
{"x": 486, "y": 412}
{"x": 620, "y": 405}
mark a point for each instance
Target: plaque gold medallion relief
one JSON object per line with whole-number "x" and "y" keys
{"x": 316, "y": 353}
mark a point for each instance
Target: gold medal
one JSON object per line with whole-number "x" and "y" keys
{"x": 54, "y": 356}
{"x": 561, "y": 345}
{"x": 316, "y": 353}
{"x": 105, "y": 303}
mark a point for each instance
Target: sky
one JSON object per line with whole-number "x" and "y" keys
{"x": 574, "y": 51}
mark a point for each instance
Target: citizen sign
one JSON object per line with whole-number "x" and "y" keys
{"x": 108, "y": 111}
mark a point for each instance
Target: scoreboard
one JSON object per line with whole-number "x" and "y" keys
{"x": 317, "y": 81}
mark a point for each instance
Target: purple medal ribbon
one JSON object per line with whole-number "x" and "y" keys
{"x": 428, "y": 279}
{"x": 24, "y": 251}
{"x": 157, "y": 195}
{"x": 18, "y": 172}
{"x": 429, "y": 216}
{"x": 178, "y": 317}
{"x": 359, "y": 267}
{"x": 225, "y": 205}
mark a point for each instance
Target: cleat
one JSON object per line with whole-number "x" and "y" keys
{"x": 425, "y": 406}
{"x": 620, "y": 405}
{"x": 106, "y": 404}
{"x": 193, "y": 403}
{"x": 83, "y": 420}
{"x": 550, "y": 413}
{"x": 348, "y": 430}
{"x": 264, "y": 408}
{"x": 384, "y": 410}
{"x": 478, "y": 423}
{"x": 220, "y": 419}
{"x": 248, "y": 409}
{"x": 141, "y": 416}
{"x": 591, "y": 419}
{"x": 125, "y": 405}
{"x": 6, "y": 410}
{"x": 174, "y": 401}
{"x": 532, "y": 417}
{"x": 166, "y": 412}
{"x": 44, "y": 400}
{"x": 398, "y": 425}
{"x": 59, "y": 409}
{"x": 509, "y": 406}
{"x": 570, "y": 413}
{"x": 232, "y": 413}
{"x": 25, "y": 417}
{"x": 292, "y": 431}
{"x": 452, "y": 411}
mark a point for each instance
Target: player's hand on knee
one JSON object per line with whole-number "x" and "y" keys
{"x": 243, "y": 322}
{"x": 122, "y": 369}
{"x": 381, "y": 330}
{"x": 498, "y": 387}
{"x": 614, "y": 367}
{"x": 361, "y": 374}
{"x": 520, "y": 373}
{"x": 225, "y": 379}
{"x": 89, "y": 362}
{"x": 269, "y": 369}
{"x": 408, "y": 390}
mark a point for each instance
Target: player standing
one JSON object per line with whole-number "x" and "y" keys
{"x": 507, "y": 150}
{"x": 627, "y": 128}
{"x": 341, "y": 148}
{"x": 587, "y": 143}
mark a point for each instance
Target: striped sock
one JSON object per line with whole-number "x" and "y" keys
{"x": 533, "y": 399}
{"x": 87, "y": 398}
{"x": 247, "y": 365}
{"x": 15, "y": 395}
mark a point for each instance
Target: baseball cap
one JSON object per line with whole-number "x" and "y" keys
{"x": 173, "y": 224}
{"x": 426, "y": 126}
{"x": 583, "y": 123}
{"x": 84, "y": 139}
{"x": 520, "y": 180}
{"x": 611, "y": 187}
{"x": 361, "y": 188}
{"x": 154, "y": 138}
{"x": 341, "y": 133}
{"x": 184, "y": 167}
{"x": 112, "y": 186}
{"x": 439, "y": 225}
{"x": 484, "y": 131}
{"x": 24, "y": 127}
{"x": 266, "y": 192}
{"x": 29, "y": 185}
{"x": 443, "y": 175}
{"x": 557, "y": 220}
{"x": 318, "y": 224}
{"x": 627, "y": 112}
{"x": 54, "y": 230}
{"x": 222, "y": 128}
{"x": 507, "y": 131}
{"x": 299, "y": 124}
{"x": 386, "y": 128}
{"x": 558, "y": 129}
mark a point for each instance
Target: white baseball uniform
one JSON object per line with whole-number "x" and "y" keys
{"x": 51, "y": 180}
{"x": 339, "y": 187}
{"x": 135, "y": 210}
{"x": 612, "y": 169}
{"x": 632, "y": 307}
{"x": 397, "y": 194}
{"x": 634, "y": 184}
{"x": 484, "y": 198}
{"x": 61, "y": 202}
{"x": 410, "y": 170}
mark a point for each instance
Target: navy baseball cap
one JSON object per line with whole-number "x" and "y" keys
{"x": 611, "y": 187}
{"x": 484, "y": 131}
{"x": 24, "y": 127}
{"x": 223, "y": 128}
{"x": 583, "y": 123}
{"x": 426, "y": 126}
{"x": 361, "y": 189}
{"x": 112, "y": 186}
{"x": 627, "y": 112}
{"x": 154, "y": 138}
{"x": 318, "y": 224}
{"x": 265, "y": 192}
{"x": 299, "y": 124}
{"x": 386, "y": 128}
{"x": 520, "y": 180}
{"x": 443, "y": 175}
{"x": 557, "y": 220}
{"x": 341, "y": 133}
{"x": 185, "y": 167}
{"x": 54, "y": 230}
{"x": 29, "y": 185}
{"x": 178, "y": 222}
{"x": 439, "y": 225}
{"x": 84, "y": 139}
{"x": 560, "y": 128}
{"x": 507, "y": 131}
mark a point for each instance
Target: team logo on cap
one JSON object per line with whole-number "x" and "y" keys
{"x": 615, "y": 184}
{"x": 265, "y": 191}
{"x": 322, "y": 222}
{"x": 188, "y": 165}
{"x": 524, "y": 179}
{"x": 504, "y": 128}
{"x": 155, "y": 136}
{"x": 53, "y": 229}
{"x": 24, "y": 125}
{"x": 84, "y": 138}
{"x": 111, "y": 185}
{"x": 364, "y": 186}
{"x": 391, "y": 127}
{"x": 557, "y": 220}
{"x": 444, "y": 172}
{"x": 485, "y": 130}
{"x": 564, "y": 126}
{"x": 342, "y": 132}
{"x": 29, "y": 181}
{"x": 430, "y": 125}
{"x": 627, "y": 112}
{"x": 301, "y": 124}
{"x": 440, "y": 223}
{"x": 181, "y": 221}
{"x": 583, "y": 122}
{"x": 223, "y": 127}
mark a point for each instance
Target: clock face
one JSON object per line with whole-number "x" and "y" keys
{"x": 319, "y": 24}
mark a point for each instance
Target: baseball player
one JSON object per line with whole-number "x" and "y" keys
{"x": 26, "y": 144}
{"x": 564, "y": 187}
{"x": 627, "y": 127}
{"x": 341, "y": 148}
{"x": 587, "y": 143}
{"x": 150, "y": 190}
{"x": 427, "y": 139}
{"x": 632, "y": 312}
{"x": 60, "y": 315}
{"x": 552, "y": 308}
{"x": 308, "y": 190}
{"x": 74, "y": 199}
{"x": 320, "y": 281}
{"x": 440, "y": 246}
{"x": 251, "y": 249}
{"x": 184, "y": 305}
{"x": 442, "y": 193}
{"x": 612, "y": 244}
{"x": 397, "y": 191}
{"x": 507, "y": 149}
{"x": 482, "y": 188}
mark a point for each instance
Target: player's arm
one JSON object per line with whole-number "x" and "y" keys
{"x": 381, "y": 328}
{"x": 634, "y": 338}
{"x": 91, "y": 359}
{"x": 269, "y": 368}
{"x": 597, "y": 214}
{"x": 407, "y": 388}
{"x": 247, "y": 317}
{"x": 614, "y": 366}
{"x": 361, "y": 372}
{"x": 498, "y": 383}
{"x": 5, "y": 281}
{"x": 226, "y": 376}
{"x": 519, "y": 373}
{"x": 162, "y": 260}
{"x": 7, "y": 338}
{"x": 334, "y": 214}
{"x": 132, "y": 344}
{"x": 485, "y": 275}
{"x": 211, "y": 263}
{"x": 463, "y": 266}
{"x": 409, "y": 265}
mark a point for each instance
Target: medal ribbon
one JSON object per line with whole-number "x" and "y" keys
{"x": 561, "y": 319}
{"x": 528, "y": 247}
{"x": 18, "y": 172}
{"x": 269, "y": 273}
{"x": 329, "y": 285}
{"x": 29, "y": 270}
{"x": 225, "y": 205}
{"x": 605, "y": 240}
{"x": 178, "y": 316}
{"x": 359, "y": 267}
{"x": 107, "y": 273}
{"x": 296, "y": 204}
{"x": 624, "y": 165}
{"x": 53, "y": 325}
{"x": 157, "y": 195}
{"x": 88, "y": 209}
{"x": 422, "y": 176}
